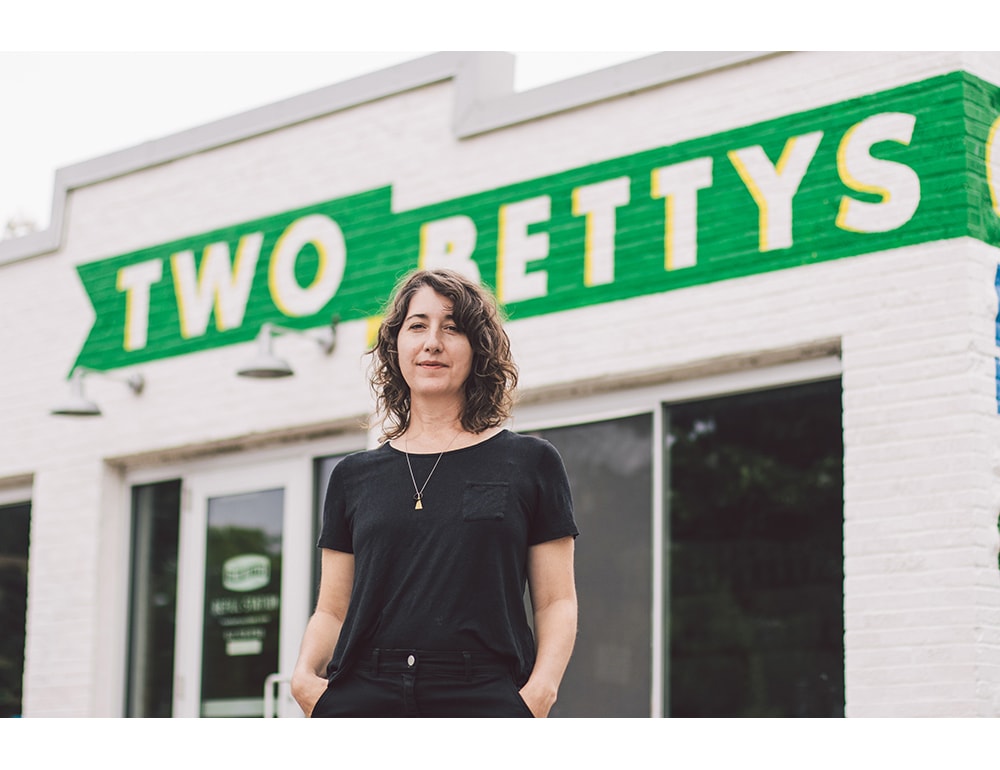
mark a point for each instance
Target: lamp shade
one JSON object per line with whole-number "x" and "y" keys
{"x": 77, "y": 405}
{"x": 265, "y": 364}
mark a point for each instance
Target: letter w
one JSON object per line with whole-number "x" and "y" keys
{"x": 217, "y": 285}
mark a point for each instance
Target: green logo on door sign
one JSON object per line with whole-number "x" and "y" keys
{"x": 246, "y": 572}
{"x": 914, "y": 164}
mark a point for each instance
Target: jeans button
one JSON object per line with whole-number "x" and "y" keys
{"x": 410, "y": 661}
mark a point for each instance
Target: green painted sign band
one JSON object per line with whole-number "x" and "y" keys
{"x": 914, "y": 164}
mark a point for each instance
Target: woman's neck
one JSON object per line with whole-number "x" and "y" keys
{"x": 437, "y": 430}
{"x": 432, "y": 428}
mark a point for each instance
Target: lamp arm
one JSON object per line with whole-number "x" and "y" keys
{"x": 325, "y": 337}
{"x": 135, "y": 381}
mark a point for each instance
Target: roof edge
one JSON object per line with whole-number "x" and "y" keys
{"x": 485, "y": 100}
{"x": 608, "y": 83}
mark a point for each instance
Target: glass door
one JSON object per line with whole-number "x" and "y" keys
{"x": 241, "y": 606}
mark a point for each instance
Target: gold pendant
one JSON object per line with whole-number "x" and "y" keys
{"x": 419, "y": 506}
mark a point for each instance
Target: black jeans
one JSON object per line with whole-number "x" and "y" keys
{"x": 416, "y": 683}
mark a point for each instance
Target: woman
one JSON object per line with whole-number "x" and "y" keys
{"x": 429, "y": 539}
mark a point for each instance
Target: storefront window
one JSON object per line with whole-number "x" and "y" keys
{"x": 610, "y": 469}
{"x": 15, "y": 521}
{"x": 752, "y": 543}
{"x": 155, "y": 529}
{"x": 755, "y": 555}
{"x": 323, "y": 468}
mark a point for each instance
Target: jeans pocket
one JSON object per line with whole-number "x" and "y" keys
{"x": 317, "y": 709}
{"x": 521, "y": 702}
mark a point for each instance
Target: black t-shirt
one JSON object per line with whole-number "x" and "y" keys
{"x": 452, "y": 575}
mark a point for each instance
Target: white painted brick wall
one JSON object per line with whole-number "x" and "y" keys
{"x": 922, "y": 437}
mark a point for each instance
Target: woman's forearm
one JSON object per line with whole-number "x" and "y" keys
{"x": 318, "y": 642}
{"x": 323, "y": 630}
{"x": 309, "y": 675}
{"x": 555, "y": 634}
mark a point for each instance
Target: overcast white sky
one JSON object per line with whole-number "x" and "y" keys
{"x": 82, "y": 78}
{"x": 62, "y": 108}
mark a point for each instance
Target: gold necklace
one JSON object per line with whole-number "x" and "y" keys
{"x": 419, "y": 496}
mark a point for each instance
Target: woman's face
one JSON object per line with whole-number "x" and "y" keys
{"x": 435, "y": 356}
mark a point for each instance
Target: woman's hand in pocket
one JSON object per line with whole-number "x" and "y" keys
{"x": 307, "y": 690}
{"x": 538, "y": 700}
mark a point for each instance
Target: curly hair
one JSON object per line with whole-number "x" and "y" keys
{"x": 489, "y": 389}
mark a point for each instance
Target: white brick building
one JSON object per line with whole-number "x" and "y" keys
{"x": 754, "y": 301}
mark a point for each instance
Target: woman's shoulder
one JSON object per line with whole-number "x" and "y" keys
{"x": 363, "y": 458}
{"x": 528, "y": 443}
{"x": 537, "y": 457}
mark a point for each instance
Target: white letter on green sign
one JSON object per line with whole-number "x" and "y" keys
{"x": 896, "y": 184}
{"x": 516, "y": 248}
{"x": 993, "y": 165}
{"x": 449, "y": 243}
{"x": 678, "y": 185}
{"x": 135, "y": 281}
{"x": 323, "y": 233}
{"x": 598, "y": 203}
{"x": 774, "y": 185}
{"x": 217, "y": 285}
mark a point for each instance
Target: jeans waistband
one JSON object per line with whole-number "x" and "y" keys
{"x": 433, "y": 661}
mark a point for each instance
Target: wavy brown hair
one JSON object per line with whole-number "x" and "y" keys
{"x": 489, "y": 390}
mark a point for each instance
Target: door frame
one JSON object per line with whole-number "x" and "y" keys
{"x": 198, "y": 488}
{"x": 290, "y": 467}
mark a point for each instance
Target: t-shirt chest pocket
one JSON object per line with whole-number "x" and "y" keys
{"x": 485, "y": 500}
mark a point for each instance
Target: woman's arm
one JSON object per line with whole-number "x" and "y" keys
{"x": 309, "y": 676}
{"x": 553, "y": 599}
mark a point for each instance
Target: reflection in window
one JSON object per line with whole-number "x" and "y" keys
{"x": 155, "y": 528}
{"x": 610, "y": 472}
{"x": 242, "y": 601}
{"x": 755, "y": 560}
{"x": 322, "y": 468}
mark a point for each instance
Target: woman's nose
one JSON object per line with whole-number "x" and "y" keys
{"x": 433, "y": 340}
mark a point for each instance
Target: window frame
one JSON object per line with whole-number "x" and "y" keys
{"x": 15, "y": 494}
{"x": 654, "y": 399}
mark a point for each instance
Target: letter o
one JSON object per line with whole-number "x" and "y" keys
{"x": 289, "y": 296}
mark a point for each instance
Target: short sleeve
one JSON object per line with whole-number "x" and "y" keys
{"x": 336, "y": 533}
{"x": 553, "y": 516}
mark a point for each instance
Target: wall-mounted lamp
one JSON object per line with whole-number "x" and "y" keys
{"x": 78, "y": 405}
{"x": 266, "y": 365}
